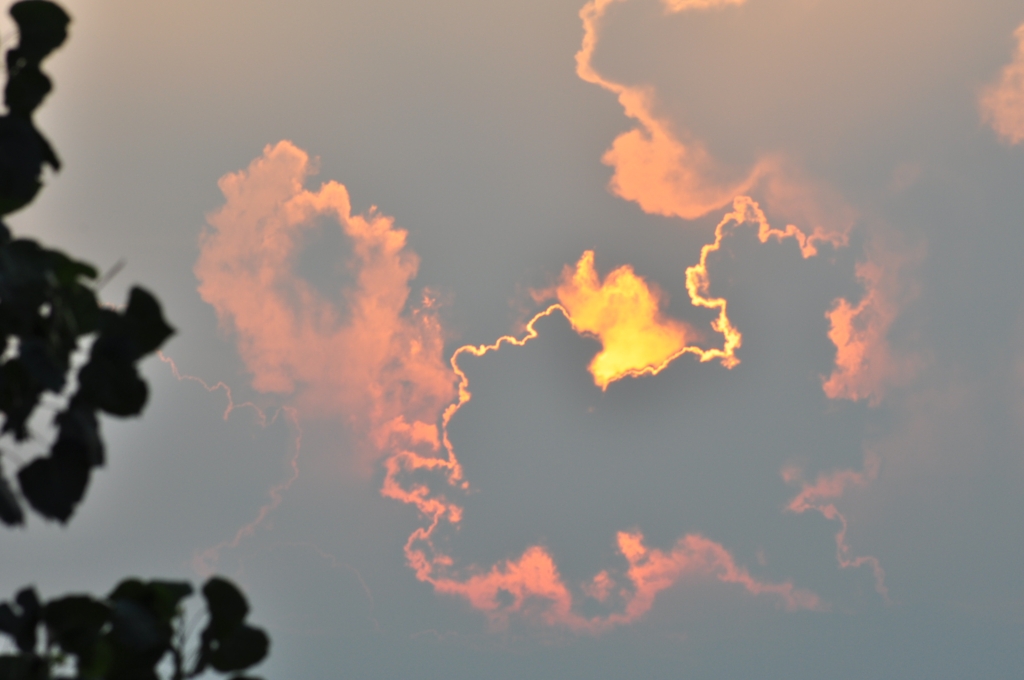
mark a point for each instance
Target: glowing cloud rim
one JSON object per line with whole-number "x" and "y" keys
{"x": 287, "y": 332}
{"x": 382, "y": 366}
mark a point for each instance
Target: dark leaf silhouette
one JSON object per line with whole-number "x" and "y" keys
{"x": 228, "y": 644}
{"x": 23, "y": 667}
{"x": 144, "y": 322}
{"x": 127, "y": 635}
{"x": 76, "y": 624}
{"x": 42, "y": 27}
{"x": 20, "y": 618}
{"x": 54, "y": 485}
{"x": 49, "y": 311}
{"x": 227, "y": 606}
{"x": 245, "y": 646}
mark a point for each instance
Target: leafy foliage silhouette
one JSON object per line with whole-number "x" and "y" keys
{"x": 49, "y": 314}
{"x": 126, "y": 635}
{"x": 49, "y": 310}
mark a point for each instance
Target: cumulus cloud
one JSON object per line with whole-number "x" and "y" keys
{"x": 381, "y": 363}
{"x": 653, "y": 166}
{"x": 531, "y": 586}
{"x": 380, "y": 360}
{"x": 666, "y": 176}
{"x": 666, "y": 171}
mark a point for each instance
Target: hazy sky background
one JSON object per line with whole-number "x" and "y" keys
{"x": 468, "y": 124}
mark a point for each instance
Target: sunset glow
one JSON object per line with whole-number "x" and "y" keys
{"x": 581, "y": 340}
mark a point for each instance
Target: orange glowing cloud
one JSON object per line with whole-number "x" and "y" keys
{"x": 865, "y": 365}
{"x": 373, "y": 360}
{"x": 624, "y": 313}
{"x": 820, "y": 495}
{"x": 681, "y": 5}
{"x": 698, "y": 280}
{"x": 532, "y": 587}
{"x": 667, "y": 176}
{"x": 1002, "y": 103}
{"x": 382, "y": 366}
{"x": 668, "y": 172}
{"x": 653, "y": 166}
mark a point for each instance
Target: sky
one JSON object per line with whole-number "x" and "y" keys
{"x": 561, "y": 339}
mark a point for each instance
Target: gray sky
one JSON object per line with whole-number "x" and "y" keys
{"x": 470, "y": 126}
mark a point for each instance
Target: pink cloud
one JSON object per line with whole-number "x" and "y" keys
{"x": 653, "y": 165}
{"x": 1002, "y": 102}
{"x": 382, "y": 366}
{"x": 667, "y": 176}
{"x": 532, "y": 587}
{"x": 666, "y": 171}
{"x": 865, "y": 365}
{"x": 820, "y": 497}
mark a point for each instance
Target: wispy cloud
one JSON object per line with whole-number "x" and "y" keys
{"x": 821, "y": 496}
{"x": 1002, "y": 102}
{"x": 866, "y": 366}
{"x": 532, "y": 587}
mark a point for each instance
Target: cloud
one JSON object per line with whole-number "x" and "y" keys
{"x": 666, "y": 176}
{"x": 531, "y": 586}
{"x": 681, "y": 5}
{"x": 380, "y": 360}
{"x": 662, "y": 173}
{"x": 1002, "y": 102}
{"x": 698, "y": 279}
{"x": 668, "y": 172}
{"x": 205, "y": 562}
{"x": 820, "y": 497}
{"x": 624, "y": 313}
{"x": 866, "y": 366}
{"x": 381, "y": 364}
